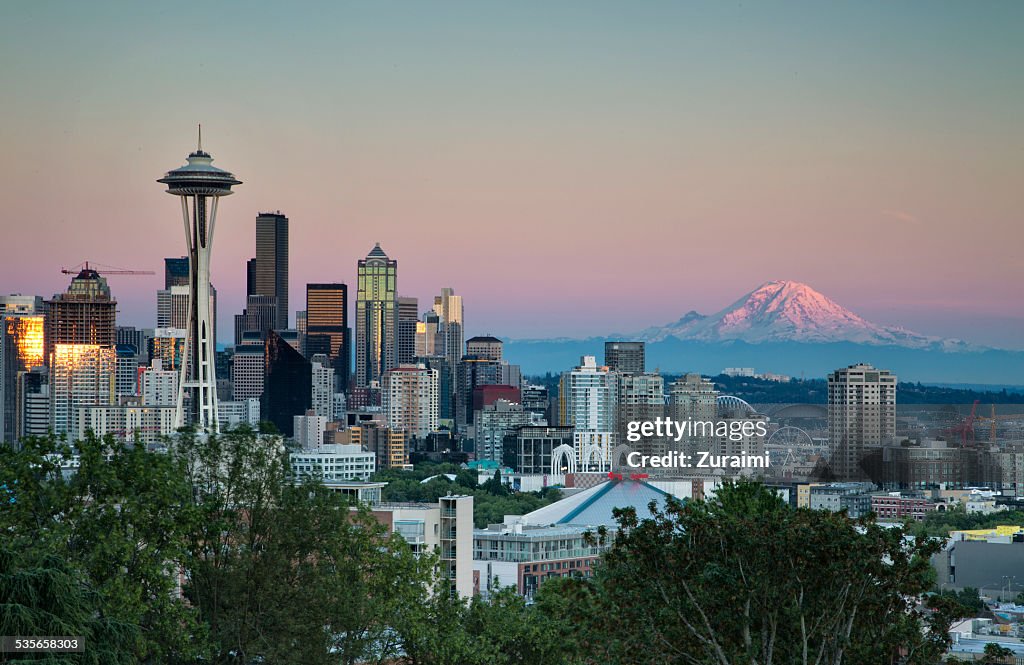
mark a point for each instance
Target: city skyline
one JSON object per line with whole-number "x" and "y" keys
{"x": 576, "y": 139}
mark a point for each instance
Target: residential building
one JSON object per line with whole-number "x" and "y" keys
{"x": 409, "y": 399}
{"x": 861, "y": 416}
{"x": 81, "y": 375}
{"x": 587, "y": 402}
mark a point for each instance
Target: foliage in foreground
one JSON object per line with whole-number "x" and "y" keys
{"x": 279, "y": 572}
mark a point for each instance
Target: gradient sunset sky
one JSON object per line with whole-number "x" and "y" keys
{"x": 570, "y": 168}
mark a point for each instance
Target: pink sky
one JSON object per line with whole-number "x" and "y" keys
{"x": 573, "y": 176}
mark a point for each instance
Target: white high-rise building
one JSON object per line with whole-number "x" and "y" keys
{"x": 587, "y": 399}
{"x": 323, "y": 386}
{"x": 247, "y": 372}
{"x": 409, "y": 399}
{"x": 81, "y": 375}
{"x": 861, "y": 415}
{"x": 309, "y": 430}
{"x": 158, "y": 386}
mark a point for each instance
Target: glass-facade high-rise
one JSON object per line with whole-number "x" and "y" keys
{"x": 288, "y": 386}
{"x": 327, "y": 330}
{"x": 376, "y": 316}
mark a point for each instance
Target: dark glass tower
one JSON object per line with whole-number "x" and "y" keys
{"x": 287, "y": 384}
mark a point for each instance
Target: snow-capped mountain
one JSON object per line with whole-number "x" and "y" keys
{"x": 786, "y": 311}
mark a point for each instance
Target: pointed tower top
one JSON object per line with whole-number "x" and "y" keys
{"x": 200, "y": 146}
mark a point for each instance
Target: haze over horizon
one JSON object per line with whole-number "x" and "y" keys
{"x": 573, "y": 170}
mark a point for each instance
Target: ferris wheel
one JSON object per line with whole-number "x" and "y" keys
{"x": 791, "y": 446}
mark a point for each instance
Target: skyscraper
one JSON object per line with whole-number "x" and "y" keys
{"x": 693, "y": 397}
{"x": 641, "y": 397}
{"x": 175, "y": 272}
{"x": 84, "y": 314}
{"x": 624, "y": 356}
{"x": 271, "y": 275}
{"x": 587, "y": 399}
{"x": 327, "y": 328}
{"x": 376, "y": 316}
{"x": 448, "y": 308}
{"x": 409, "y": 398}
{"x": 199, "y": 185}
{"x": 408, "y": 318}
{"x": 427, "y": 337}
{"x": 81, "y": 375}
{"x": 861, "y": 415}
{"x": 21, "y": 349}
{"x": 288, "y": 386}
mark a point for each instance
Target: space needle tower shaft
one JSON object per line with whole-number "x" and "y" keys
{"x": 199, "y": 185}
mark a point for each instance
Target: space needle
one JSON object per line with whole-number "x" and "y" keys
{"x": 199, "y": 184}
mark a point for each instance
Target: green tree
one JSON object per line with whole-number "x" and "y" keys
{"x": 288, "y": 572}
{"x": 744, "y": 578}
{"x": 116, "y": 524}
{"x": 42, "y": 595}
{"x": 997, "y": 653}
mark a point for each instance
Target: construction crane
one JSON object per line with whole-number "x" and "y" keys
{"x": 966, "y": 428}
{"x": 994, "y": 418}
{"x": 106, "y": 271}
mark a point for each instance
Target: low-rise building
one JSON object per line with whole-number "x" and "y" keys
{"x": 333, "y": 462}
{"x": 520, "y": 555}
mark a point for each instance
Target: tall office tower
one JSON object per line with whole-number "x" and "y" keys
{"x": 587, "y": 399}
{"x": 693, "y": 397}
{"x": 126, "y": 372}
{"x": 322, "y": 382}
{"x": 408, "y": 319}
{"x": 250, "y": 277}
{"x": 536, "y": 401}
{"x": 861, "y": 415}
{"x": 81, "y": 375}
{"x": 445, "y": 388}
{"x": 428, "y": 341}
{"x": 641, "y": 398}
{"x": 376, "y": 316}
{"x": 409, "y": 399}
{"x": 158, "y": 385}
{"x": 259, "y": 316}
{"x": 626, "y": 357}
{"x": 484, "y": 347}
{"x": 33, "y": 416}
{"x": 199, "y": 185}
{"x": 471, "y": 373}
{"x": 327, "y": 328}
{"x": 287, "y": 384}
{"x": 175, "y": 272}
{"x": 271, "y": 277}
{"x": 172, "y": 308}
{"x": 448, "y": 308}
{"x": 21, "y": 348}
{"x": 84, "y": 314}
